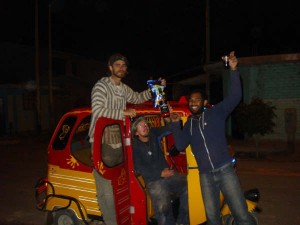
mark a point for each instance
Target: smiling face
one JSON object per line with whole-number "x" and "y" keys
{"x": 196, "y": 103}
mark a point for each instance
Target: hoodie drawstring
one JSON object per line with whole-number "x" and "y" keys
{"x": 199, "y": 125}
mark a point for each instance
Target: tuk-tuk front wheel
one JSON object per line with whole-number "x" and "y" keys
{"x": 65, "y": 217}
{"x": 229, "y": 220}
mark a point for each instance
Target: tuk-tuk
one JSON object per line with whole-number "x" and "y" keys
{"x": 68, "y": 193}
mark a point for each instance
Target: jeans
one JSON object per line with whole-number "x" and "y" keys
{"x": 105, "y": 199}
{"x": 224, "y": 179}
{"x": 160, "y": 192}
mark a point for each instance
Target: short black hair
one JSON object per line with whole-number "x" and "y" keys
{"x": 202, "y": 93}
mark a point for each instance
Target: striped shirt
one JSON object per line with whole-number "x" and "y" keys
{"x": 109, "y": 100}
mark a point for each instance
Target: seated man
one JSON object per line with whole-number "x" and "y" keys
{"x": 161, "y": 181}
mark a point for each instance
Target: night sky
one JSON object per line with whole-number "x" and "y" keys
{"x": 161, "y": 36}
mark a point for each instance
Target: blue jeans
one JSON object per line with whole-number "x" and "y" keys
{"x": 224, "y": 179}
{"x": 160, "y": 192}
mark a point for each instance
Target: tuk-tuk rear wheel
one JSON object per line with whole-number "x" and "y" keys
{"x": 65, "y": 217}
{"x": 229, "y": 220}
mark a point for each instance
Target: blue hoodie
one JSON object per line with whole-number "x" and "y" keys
{"x": 206, "y": 134}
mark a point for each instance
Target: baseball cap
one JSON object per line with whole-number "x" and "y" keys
{"x": 115, "y": 57}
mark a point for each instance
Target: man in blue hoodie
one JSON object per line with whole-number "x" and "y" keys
{"x": 205, "y": 132}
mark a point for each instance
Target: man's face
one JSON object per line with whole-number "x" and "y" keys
{"x": 142, "y": 129}
{"x": 196, "y": 103}
{"x": 118, "y": 69}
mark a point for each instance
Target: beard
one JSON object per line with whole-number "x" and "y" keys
{"x": 119, "y": 74}
{"x": 197, "y": 114}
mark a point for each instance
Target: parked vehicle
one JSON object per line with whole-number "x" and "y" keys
{"x": 68, "y": 193}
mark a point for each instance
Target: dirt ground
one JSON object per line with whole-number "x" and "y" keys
{"x": 24, "y": 161}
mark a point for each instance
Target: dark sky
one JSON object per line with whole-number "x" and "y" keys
{"x": 162, "y": 36}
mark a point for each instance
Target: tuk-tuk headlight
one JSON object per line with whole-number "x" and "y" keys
{"x": 252, "y": 195}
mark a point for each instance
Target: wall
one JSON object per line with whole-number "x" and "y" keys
{"x": 277, "y": 81}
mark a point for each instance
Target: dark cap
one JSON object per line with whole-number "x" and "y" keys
{"x": 116, "y": 57}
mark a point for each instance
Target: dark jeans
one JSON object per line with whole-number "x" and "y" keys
{"x": 224, "y": 179}
{"x": 161, "y": 192}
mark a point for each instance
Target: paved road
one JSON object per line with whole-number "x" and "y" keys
{"x": 279, "y": 185}
{"x": 23, "y": 163}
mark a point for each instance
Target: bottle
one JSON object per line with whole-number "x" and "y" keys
{"x": 226, "y": 61}
{"x": 164, "y": 109}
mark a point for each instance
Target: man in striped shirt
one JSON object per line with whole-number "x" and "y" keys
{"x": 109, "y": 98}
{"x": 110, "y": 95}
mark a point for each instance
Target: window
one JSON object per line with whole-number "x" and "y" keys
{"x": 29, "y": 101}
{"x": 59, "y": 67}
{"x": 80, "y": 145}
{"x": 63, "y": 134}
{"x": 112, "y": 147}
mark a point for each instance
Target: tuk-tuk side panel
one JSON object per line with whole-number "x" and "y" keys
{"x": 65, "y": 160}
{"x": 76, "y": 184}
{"x": 195, "y": 201}
{"x": 122, "y": 196}
{"x": 141, "y": 208}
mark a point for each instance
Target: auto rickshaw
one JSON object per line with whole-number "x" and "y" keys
{"x": 68, "y": 193}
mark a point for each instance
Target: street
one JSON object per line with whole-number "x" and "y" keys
{"x": 279, "y": 186}
{"x": 23, "y": 162}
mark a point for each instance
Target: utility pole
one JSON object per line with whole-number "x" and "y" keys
{"x": 37, "y": 67}
{"x": 207, "y": 33}
{"x": 207, "y": 47}
{"x": 51, "y": 111}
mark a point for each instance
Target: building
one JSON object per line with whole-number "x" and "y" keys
{"x": 272, "y": 78}
{"x": 27, "y": 106}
